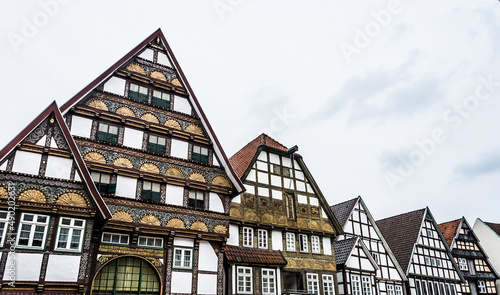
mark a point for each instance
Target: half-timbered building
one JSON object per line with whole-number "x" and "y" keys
{"x": 422, "y": 251}
{"x": 282, "y": 217}
{"x": 471, "y": 258}
{"x": 135, "y": 195}
{"x": 357, "y": 222}
{"x": 489, "y": 235}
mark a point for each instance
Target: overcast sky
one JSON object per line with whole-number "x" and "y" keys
{"x": 394, "y": 100}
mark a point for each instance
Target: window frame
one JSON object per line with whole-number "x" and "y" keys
{"x": 199, "y": 156}
{"x": 33, "y": 225}
{"x": 138, "y": 92}
{"x": 262, "y": 237}
{"x": 155, "y": 147}
{"x": 246, "y": 277}
{"x": 161, "y": 98}
{"x": 291, "y": 244}
{"x": 462, "y": 264}
{"x": 303, "y": 243}
{"x": 111, "y": 234}
{"x": 71, "y": 228}
{"x": 147, "y": 246}
{"x": 481, "y": 287}
{"x": 315, "y": 245}
{"x": 312, "y": 282}
{"x": 109, "y": 137}
{"x": 266, "y": 278}
{"x": 196, "y": 203}
{"x": 328, "y": 284}
{"x": 247, "y": 236}
{"x": 151, "y": 195}
{"x": 356, "y": 285}
{"x": 5, "y": 227}
{"x": 398, "y": 289}
{"x": 110, "y": 189}
{"x": 183, "y": 256}
{"x": 390, "y": 289}
{"x": 366, "y": 285}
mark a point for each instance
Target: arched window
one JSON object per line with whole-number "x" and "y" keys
{"x": 126, "y": 275}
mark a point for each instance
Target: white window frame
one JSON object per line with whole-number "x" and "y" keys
{"x": 262, "y": 238}
{"x": 418, "y": 287}
{"x": 304, "y": 247}
{"x": 290, "y": 242}
{"x": 182, "y": 263}
{"x": 399, "y": 290}
{"x": 328, "y": 285}
{"x": 244, "y": 277}
{"x": 356, "y": 285}
{"x": 312, "y": 283}
{"x": 390, "y": 290}
{"x": 268, "y": 281}
{"x": 247, "y": 237}
{"x": 71, "y": 228}
{"x": 376, "y": 257}
{"x": 4, "y": 225}
{"x": 145, "y": 239}
{"x": 481, "y": 285}
{"x": 462, "y": 264}
{"x": 105, "y": 239}
{"x": 33, "y": 224}
{"x": 366, "y": 283}
{"x": 315, "y": 245}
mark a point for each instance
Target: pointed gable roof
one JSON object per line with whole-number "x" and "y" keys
{"x": 343, "y": 210}
{"x": 82, "y": 168}
{"x": 343, "y": 249}
{"x": 242, "y": 159}
{"x": 450, "y": 230}
{"x": 401, "y": 233}
{"x": 160, "y": 38}
{"x": 494, "y": 227}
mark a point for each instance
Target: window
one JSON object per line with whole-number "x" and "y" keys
{"x": 419, "y": 291}
{"x": 150, "y": 242}
{"x": 151, "y": 191}
{"x": 430, "y": 288}
{"x": 399, "y": 290}
{"x": 436, "y": 288}
{"x": 328, "y": 285}
{"x": 367, "y": 286}
{"x": 462, "y": 263}
{"x": 70, "y": 234}
{"x": 182, "y": 257}
{"x": 303, "y": 243}
{"x": 107, "y": 133}
{"x": 268, "y": 281}
{"x": 429, "y": 233}
{"x": 247, "y": 237}
{"x": 441, "y": 289}
{"x": 290, "y": 206}
{"x": 33, "y": 231}
{"x": 156, "y": 144}
{"x": 438, "y": 262}
{"x": 244, "y": 279}
{"x": 491, "y": 286}
{"x": 200, "y": 154}
{"x": 481, "y": 286}
{"x": 137, "y": 92}
{"x": 290, "y": 242}
{"x": 433, "y": 261}
{"x": 427, "y": 261}
{"x": 315, "y": 245}
{"x": 481, "y": 266}
{"x": 376, "y": 258}
{"x": 113, "y": 238}
{"x": 102, "y": 183}
{"x": 4, "y": 217}
{"x": 312, "y": 283}
{"x": 355, "y": 285}
{"x": 424, "y": 288}
{"x": 161, "y": 99}
{"x": 196, "y": 199}
{"x": 390, "y": 289}
{"x": 262, "y": 234}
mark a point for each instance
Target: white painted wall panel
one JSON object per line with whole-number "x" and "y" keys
{"x": 275, "y": 180}
{"x": 273, "y": 158}
{"x": 27, "y": 162}
{"x": 182, "y": 105}
{"x": 277, "y": 239}
{"x": 299, "y": 175}
{"x": 81, "y": 126}
{"x": 327, "y": 246}
{"x": 262, "y": 156}
{"x": 286, "y": 162}
{"x": 366, "y": 265}
{"x": 115, "y": 85}
{"x": 207, "y": 284}
{"x": 58, "y": 167}
{"x": 175, "y": 195}
{"x": 126, "y": 186}
{"x": 250, "y": 189}
{"x": 262, "y": 166}
{"x": 236, "y": 199}
{"x": 179, "y": 149}
{"x": 132, "y": 138}
{"x": 277, "y": 194}
{"x": 27, "y": 266}
{"x": 147, "y": 54}
{"x": 288, "y": 183}
{"x": 208, "y": 258}
{"x": 313, "y": 201}
{"x": 302, "y": 199}
{"x": 215, "y": 203}
{"x": 63, "y": 268}
{"x": 3, "y": 166}
{"x": 163, "y": 59}
{"x": 263, "y": 191}
{"x": 181, "y": 282}
{"x": 252, "y": 175}
{"x": 183, "y": 242}
{"x": 234, "y": 232}
{"x": 263, "y": 177}
{"x": 301, "y": 186}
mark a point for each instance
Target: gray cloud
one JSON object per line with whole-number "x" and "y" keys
{"x": 483, "y": 164}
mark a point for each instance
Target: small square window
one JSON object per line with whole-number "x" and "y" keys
{"x": 102, "y": 183}
{"x": 107, "y": 133}
{"x": 114, "y": 238}
{"x": 70, "y": 234}
{"x": 137, "y": 92}
{"x": 156, "y": 144}
{"x": 161, "y": 99}
{"x": 151, "y": 191}
{"x": 182, "y": 257}
{"x": 196, "y": 199}
{"x": 150, "y": 242}
{"x": 200, "y": 154}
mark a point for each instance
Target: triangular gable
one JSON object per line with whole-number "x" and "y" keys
{"x": 451, "y": 230}
{"x": 159, "y": 39}
{"x": 70, "y": 145}
{"x": 358, "y": 256}
{"x": 343, "y": 210}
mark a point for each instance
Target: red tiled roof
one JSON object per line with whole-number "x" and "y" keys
{"x": 254, "y": 256}
{"x": 450, "y": 229}
{"x": 401, "y": 233}
{"x": 494, "y": 226}
{"x": 243, "y": 157}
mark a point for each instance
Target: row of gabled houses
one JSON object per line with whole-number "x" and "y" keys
{"x": 125, "y": 189}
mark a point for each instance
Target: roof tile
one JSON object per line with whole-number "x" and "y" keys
{"x": 342, "y": 249}
{"x": 343, "y": 210}
{"x": 254, "y": 256}
{"x": 494, "y": 226}
{"x": 450, "y": 229}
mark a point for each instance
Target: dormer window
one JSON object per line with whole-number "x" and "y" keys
{"x": 161, "y": 99}
{"x": 137, "y": 92}
{"x": 200, "y": 154}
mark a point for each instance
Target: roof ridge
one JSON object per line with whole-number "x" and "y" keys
{"x": 423, "y": 209}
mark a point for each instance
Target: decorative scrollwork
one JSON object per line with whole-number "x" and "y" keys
{"x": 151, "y": 220}
{"x": 95, "y": 157}
{"x": 136, "y": 68}
{"x": 32, "y": 195}
{"x": 150, "y": 118}
{"x": 158, "y": 75}
{"x": 150, "y": 167}
{"x": 173, "y": 124}
{"x": 72, "y": 199}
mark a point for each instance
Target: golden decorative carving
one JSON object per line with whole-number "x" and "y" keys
{"x": 119, "y": 250}
{"x": 327, "y": 227}
{"x": 72, "y": 199}
{"x": 315, "y": 264}
{"x": 155, "y": 261}
{"x": 268, "y": 218}
{"x": 221, "y": 229}
{"x": 199, "y": 226}
{"x": 103, "y": 258}
{"x": 3, "y": 193}
{"x": 176, "y": 82}
{"x": 150, "y": 118}
{"x": 136, "y": 68}
{"x": 313, "y": 224}
{"x": 250, "y": 216}
{"x": 329, "y": 266}
{"x": 173, "y": 124}
{"x": 222, "y": 181}
{"x": 174, "y": 172}
{"x": 32, "y": 195}
{"x": 291, "y": 263}
{"x": 151, "y": 220}
{"x": 301, "y": 222}
{"x": 123, "y": 162}
{"x": 95, "y": 157}
{"x": 282, "y": 220}
{"x": 305, "y": 264}
{"x": 122, "y": 216}
{"x": 176, "y": 223}
{"x": 194, "y": 129}
{"x": 150, "y": 167}
{"x": 236, "y": 213}
{"x": 158, "y": 75}
{"x": 98, "y": 104}
{"x": 124, "y": 111}
{"x": 197, "y": 177}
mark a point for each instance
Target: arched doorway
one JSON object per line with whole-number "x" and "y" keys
{"x": 126, "y": 276}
